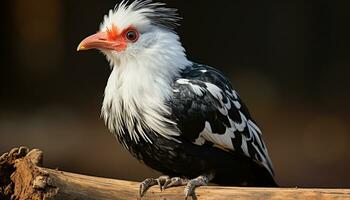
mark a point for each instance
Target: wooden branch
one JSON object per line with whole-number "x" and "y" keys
{"x": 22, "y": 178}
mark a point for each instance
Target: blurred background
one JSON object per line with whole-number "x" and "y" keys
{"x": 289, "y": 60}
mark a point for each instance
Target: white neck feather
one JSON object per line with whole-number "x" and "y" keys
{"x": 138, "y": 87}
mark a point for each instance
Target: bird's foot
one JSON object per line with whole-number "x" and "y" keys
{"x": 163, "y": 182}
{"x": 191, "y": 186}
{"x": 149, "y": 182}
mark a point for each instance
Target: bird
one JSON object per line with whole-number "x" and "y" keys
{"x": 177, "y": 116}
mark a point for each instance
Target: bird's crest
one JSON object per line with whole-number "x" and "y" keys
{"x": 154, "y": 12}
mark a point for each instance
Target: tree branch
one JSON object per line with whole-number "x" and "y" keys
{"x": 23, "y": 177}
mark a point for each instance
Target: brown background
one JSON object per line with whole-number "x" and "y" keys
{"x": 288, "y": 59}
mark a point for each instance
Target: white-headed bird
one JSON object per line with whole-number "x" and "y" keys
{"x": 178, "y": 117}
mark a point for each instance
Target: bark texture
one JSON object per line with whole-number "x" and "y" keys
{"x": 23, "y": 177}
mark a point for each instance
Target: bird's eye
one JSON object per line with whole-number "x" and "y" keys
{"x": 132, "y": 35}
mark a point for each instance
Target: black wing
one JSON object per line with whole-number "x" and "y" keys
{"x": 207, "y": 109}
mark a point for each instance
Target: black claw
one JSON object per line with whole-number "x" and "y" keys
{"x": 162, "y": 180}
{"x": 194, "y": 197}
{"x": 166, "y": 184}
{"x": 160, "y": 185}
{"x": 145, "y": 185}
{"x": 190, "y": 189}
{"x": 191, "y": 194}
{"x": 141, "y": 191}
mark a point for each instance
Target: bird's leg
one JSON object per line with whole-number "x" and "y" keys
{"x": 194, "y": 183}
{"x": 149, "y": 182}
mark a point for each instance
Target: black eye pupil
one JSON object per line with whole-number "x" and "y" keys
{"x": 131, "y": 35}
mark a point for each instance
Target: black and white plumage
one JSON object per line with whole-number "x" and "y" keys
{"x": 207, "y": 109}
{"x": 181, "y": 118}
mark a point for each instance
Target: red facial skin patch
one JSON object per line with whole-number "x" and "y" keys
{"x": 119, "y": 37}
{"x": 112, "y": 33}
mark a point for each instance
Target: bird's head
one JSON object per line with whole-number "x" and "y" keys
{"x": 137, "y": 29}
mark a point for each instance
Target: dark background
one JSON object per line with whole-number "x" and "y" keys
{"x": 288, "y": 59}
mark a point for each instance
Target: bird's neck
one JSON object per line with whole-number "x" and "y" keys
{"x": 147, "y": 76}
{"x": 137, "y": 90}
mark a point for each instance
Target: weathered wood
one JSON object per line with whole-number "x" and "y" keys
{"x": 22, "y": 178}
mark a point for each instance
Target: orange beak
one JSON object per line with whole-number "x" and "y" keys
{"x": 97, "y": 41}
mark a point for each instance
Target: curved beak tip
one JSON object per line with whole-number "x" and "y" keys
{"x": 81, "y": 47}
